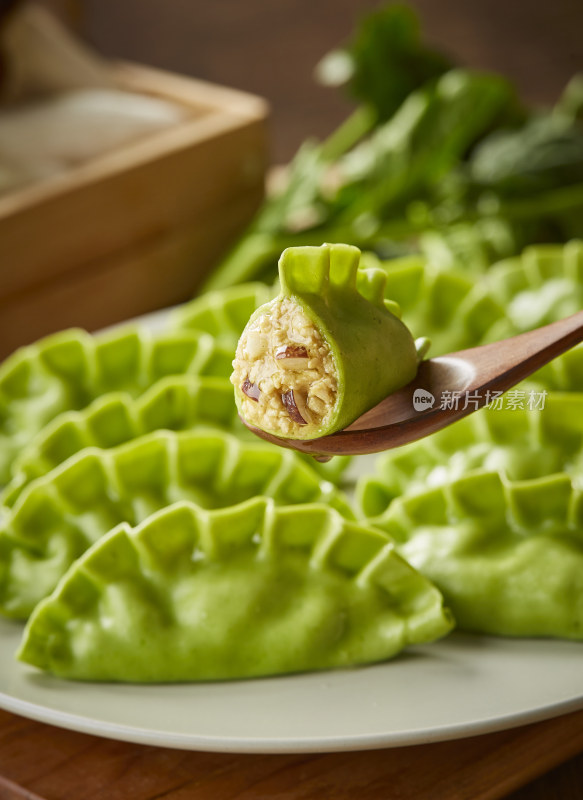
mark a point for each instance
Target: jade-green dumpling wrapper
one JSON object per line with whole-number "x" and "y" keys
{"x": 67, "y": 371}
{"x": 507, "y": 555}
{"x": 245, "y": 591}
{"x": 59, "y": 516}
{"x": 520, "y": 443}
{"x": 326, "y": 350}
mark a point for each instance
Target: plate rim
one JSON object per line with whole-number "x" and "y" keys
{"x": 292, "y": 745}
{"x": 419, "y": 733}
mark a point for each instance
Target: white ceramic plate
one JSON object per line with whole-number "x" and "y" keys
{"x": 461, "y": 686}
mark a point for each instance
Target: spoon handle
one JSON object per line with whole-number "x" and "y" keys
{"x": 501, "y": 365}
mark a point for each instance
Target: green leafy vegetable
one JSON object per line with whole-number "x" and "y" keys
{"x": 385, "y": 61}
{"x": 429, "y": 146}
{"x": 546, "y": 153}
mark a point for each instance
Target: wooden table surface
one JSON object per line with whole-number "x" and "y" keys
{"x": 271, "y": 49}
{"x": 39, "y": 761}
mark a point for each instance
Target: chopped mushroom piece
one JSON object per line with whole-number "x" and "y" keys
{"x": 251, "y": 390}
{"x": 291, "y": 351}
{"x": 292, "y": 356}
{"x": 289, "y": 401}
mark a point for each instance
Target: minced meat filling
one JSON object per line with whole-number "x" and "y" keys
{"x": 285, "y": 370}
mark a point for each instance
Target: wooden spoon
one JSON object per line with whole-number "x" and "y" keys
{"x": 444, "y": 390}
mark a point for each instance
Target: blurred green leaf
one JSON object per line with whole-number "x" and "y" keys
{"x": 385, "y": 61}
{"x": 546, "y": 152}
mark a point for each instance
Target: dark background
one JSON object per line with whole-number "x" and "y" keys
{"x": 270, "y": 47}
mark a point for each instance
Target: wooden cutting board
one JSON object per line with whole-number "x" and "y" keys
{"x": 40, "y": 761}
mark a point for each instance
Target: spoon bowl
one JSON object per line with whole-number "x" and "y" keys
{"x": 444, "y": 390}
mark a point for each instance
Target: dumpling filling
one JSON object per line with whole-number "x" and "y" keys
{"x": 285, "y": 372}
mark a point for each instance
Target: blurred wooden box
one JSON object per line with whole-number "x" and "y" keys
{"x": 138, "y": 228}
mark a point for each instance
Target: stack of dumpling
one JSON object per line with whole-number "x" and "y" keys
{"x": 149, "y": 539}
{"x": 491, "y": 509}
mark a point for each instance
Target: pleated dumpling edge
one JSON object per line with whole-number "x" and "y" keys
{"x": 241, "y": 592}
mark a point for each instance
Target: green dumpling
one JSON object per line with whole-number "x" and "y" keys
{"x": 326, "y": 350}
{"x": 57, "y": 517}
{"x": 177, "y": 402}
{"x": 520, "y": 442}
{"x": 508, "y": 556}
{"x": 246, "y": 591}
{"x": 457, "y": 309}
{"x": 69, "y": 370}
{"x": 542, "y": 285}
{"x": 222, "y": 313}
{"x": 442, "y": 302}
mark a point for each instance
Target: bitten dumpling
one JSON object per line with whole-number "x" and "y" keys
{"x": 326, "y": 350}
{"x": 246, "y": 591}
